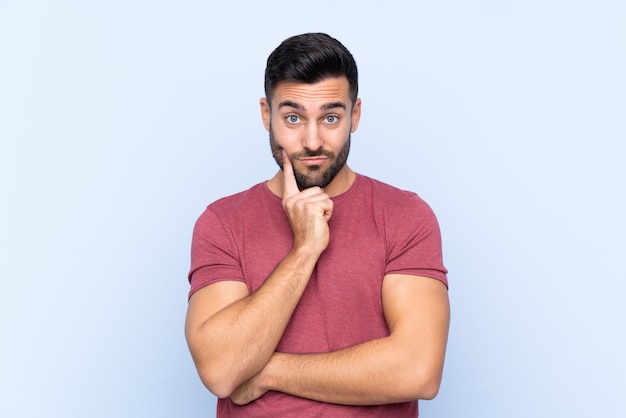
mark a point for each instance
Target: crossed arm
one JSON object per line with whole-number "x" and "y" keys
{"x": 233, "y": 335}
{"x": 404, "y": 366}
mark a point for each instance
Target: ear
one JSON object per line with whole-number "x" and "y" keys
{"x": 356, "y": 114}
{"x": 265, "y": 113}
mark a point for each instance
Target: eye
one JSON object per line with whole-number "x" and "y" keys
{"x": 292, "y": 119}
{"x": 331, "y": 119}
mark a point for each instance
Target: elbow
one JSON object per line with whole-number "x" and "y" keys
{"x": 429, "y": 381}
{"x": 219, "y": 379}
{"x": 220, "y": 384}
{"x": 428, "y": 391}
{"x": 423, "y": 384}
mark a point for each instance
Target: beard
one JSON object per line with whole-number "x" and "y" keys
{"x": 315, "y": 176}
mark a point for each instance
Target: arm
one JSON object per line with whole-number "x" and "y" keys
{"x": 406, "y": 365}
{"x": 232, "y": 335}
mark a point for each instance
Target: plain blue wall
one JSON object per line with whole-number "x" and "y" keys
{"x": 121, "y": 120}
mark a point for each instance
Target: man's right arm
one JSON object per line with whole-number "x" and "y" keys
{"x": 232, "y": 334}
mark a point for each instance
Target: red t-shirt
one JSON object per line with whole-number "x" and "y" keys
{"x": 375, "y": 230}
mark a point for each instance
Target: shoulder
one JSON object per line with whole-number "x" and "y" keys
{"x": 217, "y": 226}
{"x": 391, "y": 198}
{"x": 234, "y": 200}
{"x": 233, "y": 206}
{"x": 254, "y": 207}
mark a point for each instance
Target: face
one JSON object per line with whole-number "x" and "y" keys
{"x": 312, "y": 123}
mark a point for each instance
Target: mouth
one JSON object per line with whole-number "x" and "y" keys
{"x": 313, "y": 161}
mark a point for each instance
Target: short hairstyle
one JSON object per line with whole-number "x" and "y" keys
{"x": 310, "y": 58}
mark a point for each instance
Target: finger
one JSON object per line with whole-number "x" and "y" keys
{"x": 328, "y": 213}
{"x": 318, "y": 200}
{"x": 290, "y": 187}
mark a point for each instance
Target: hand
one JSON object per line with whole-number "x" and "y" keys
{"x": 248, "y": 391}
{"x": 308, "y": 211}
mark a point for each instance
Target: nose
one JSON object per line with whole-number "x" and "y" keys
{"x": 311, "y": 138}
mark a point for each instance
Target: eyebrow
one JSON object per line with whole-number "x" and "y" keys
{"x": 333, "y": 105}
{"x": 298, "y": 106}
{"x": 289, "y": 103}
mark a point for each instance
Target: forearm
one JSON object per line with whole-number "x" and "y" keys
{"x": 406, "y": 365}
{"x": 235, "y": 343}
{"x": 376, "y": 372}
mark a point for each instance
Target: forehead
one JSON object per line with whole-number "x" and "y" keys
{"x": 330, "y": 90}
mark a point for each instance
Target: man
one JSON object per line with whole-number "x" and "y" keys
{"x": 320, "y": 292}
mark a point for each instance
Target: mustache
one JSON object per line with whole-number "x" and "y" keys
{"x": 307, "y": 153}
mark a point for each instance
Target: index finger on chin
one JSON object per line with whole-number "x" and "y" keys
{"x": 290, "y": 186}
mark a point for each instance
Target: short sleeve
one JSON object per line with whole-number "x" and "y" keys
{"x": 414, "y": 240}
{"x": 214, "y": 254}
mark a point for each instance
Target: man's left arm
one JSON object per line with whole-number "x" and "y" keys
{"x": 404, "y": 366}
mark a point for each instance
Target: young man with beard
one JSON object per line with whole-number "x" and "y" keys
{"x": 320, "y": 292}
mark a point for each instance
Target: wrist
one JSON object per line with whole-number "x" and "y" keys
{"x": 269, "y": 378}
{"x": 307, "y": 250}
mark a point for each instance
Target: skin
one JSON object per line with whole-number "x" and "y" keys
{"x": 307, "y": 119}
{"x": 233, "y": 335}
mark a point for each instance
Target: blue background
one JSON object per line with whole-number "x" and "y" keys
{"x": 121, "y": 120}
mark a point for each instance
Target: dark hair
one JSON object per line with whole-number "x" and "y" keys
{"x": 310, "y": 58}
